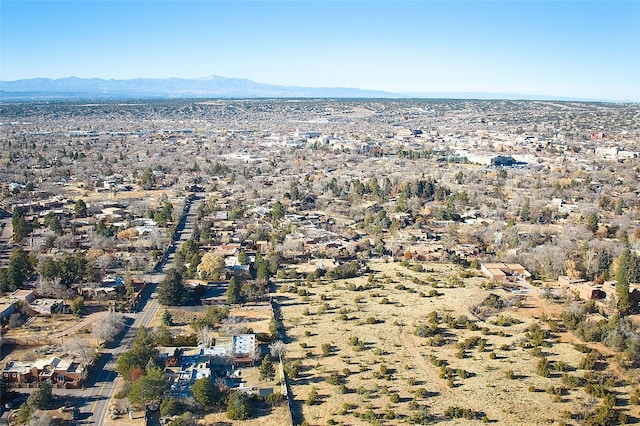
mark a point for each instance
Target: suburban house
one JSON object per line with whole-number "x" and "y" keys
{"x": 64, "y": 373}
{"x": 7, "y": 307}
{"x": 243, "y": 347}
{"x": 24, "y": 295}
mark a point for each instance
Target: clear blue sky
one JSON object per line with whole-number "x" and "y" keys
{"x": 585, "y": 49}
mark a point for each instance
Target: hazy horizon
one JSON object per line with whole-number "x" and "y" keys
{"x": 320, "y": 92}
{"x": 563, "y": 49}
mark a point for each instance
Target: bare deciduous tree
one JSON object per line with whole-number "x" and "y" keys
{"x": 278, "y": 349}
{"x": 80, "y": 348}
{"x": 205, "y": 336}
{"x": 106, "y": 329}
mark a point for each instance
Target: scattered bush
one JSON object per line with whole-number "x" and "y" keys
{"x": 460, "y": 413}
{"x": 313, "y": 396}
{"x": 334, "y": 379}
{"x": 326, "y": 349}
{"x": 543, "y": 367}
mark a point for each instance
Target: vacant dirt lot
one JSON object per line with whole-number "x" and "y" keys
{"x": 358, "y": 349}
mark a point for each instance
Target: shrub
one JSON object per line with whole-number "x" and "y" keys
{"x": 334, "y": 379}
{"x": 169, "y": 407}
{"x": 420, "y": 393}
{"x": 389, "y": 415}
{"x": 312, "y": 398}
{"x": 588, "y": 362}
{"x": 122, "y": 393}
{"x": 427, "y": 330}
{"x": 481, "y": 345}
{"x": 572, "y": 381}
{"x": 543, "y": 367}
{"x": 463, "y": 374}
{"x": 460, "y": 413}
{"x": 292, "y": 369}
{"x": 275, "y": 399}
{"x": 394, "y": 398}
{"x": 420, "y": 417}
{"x": 326, "y": 349}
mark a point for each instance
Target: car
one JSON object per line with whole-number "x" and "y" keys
{"x": 15, "y": 403}
{"x": 75, "y": 413}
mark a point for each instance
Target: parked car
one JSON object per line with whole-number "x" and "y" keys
{"x": 15, "y": 403}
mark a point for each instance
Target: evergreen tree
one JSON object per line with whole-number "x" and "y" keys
{"x": 77, "y": 306}
{"x": 625, "y": 274}
{"x": 266, "y": 369}
{"x": 80, "y": 208}
{"x": 169, "y": 407}
{"x": 166, "y": 318}
{"x": 206, "y": 393}
{"x": 171, "y": 290}
{"x": 19, "y": 269}
{"x": 233, "y": 291}
{"x": 20, "y": 226}
{"x": 525, "y": 210}
{"x": 147, "y": 180}
{"x": 239, "y": 406}
{"x": 139, "y": 355}
{"x": 149, "y": 387}
{"x": 277, "y": 211}
{"x": 592, "y": 222}
{"x": 41, "y": 397}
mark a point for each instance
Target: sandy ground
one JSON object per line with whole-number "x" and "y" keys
{"x": 84, "y": 322}
{"x": 391, "y": 341}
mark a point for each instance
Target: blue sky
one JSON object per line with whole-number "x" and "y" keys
{"x": 582, "y": 49}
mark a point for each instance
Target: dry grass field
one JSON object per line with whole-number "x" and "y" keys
{"x": 357, "y": 346}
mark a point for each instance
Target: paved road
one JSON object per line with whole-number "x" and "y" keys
{"x": 6, "y": 231}
{"x": 97, "y": 396}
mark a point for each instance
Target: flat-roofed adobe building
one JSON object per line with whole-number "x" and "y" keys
{"x": 504, "y": 272}
{"x": 242, "y": 348}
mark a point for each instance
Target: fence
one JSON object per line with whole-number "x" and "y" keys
{"x": 275, "y": 311}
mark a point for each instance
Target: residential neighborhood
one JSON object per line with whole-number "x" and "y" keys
{"x": 319, "y": 261}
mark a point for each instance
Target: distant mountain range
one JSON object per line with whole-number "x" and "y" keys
{"x": 210, "y": 87}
